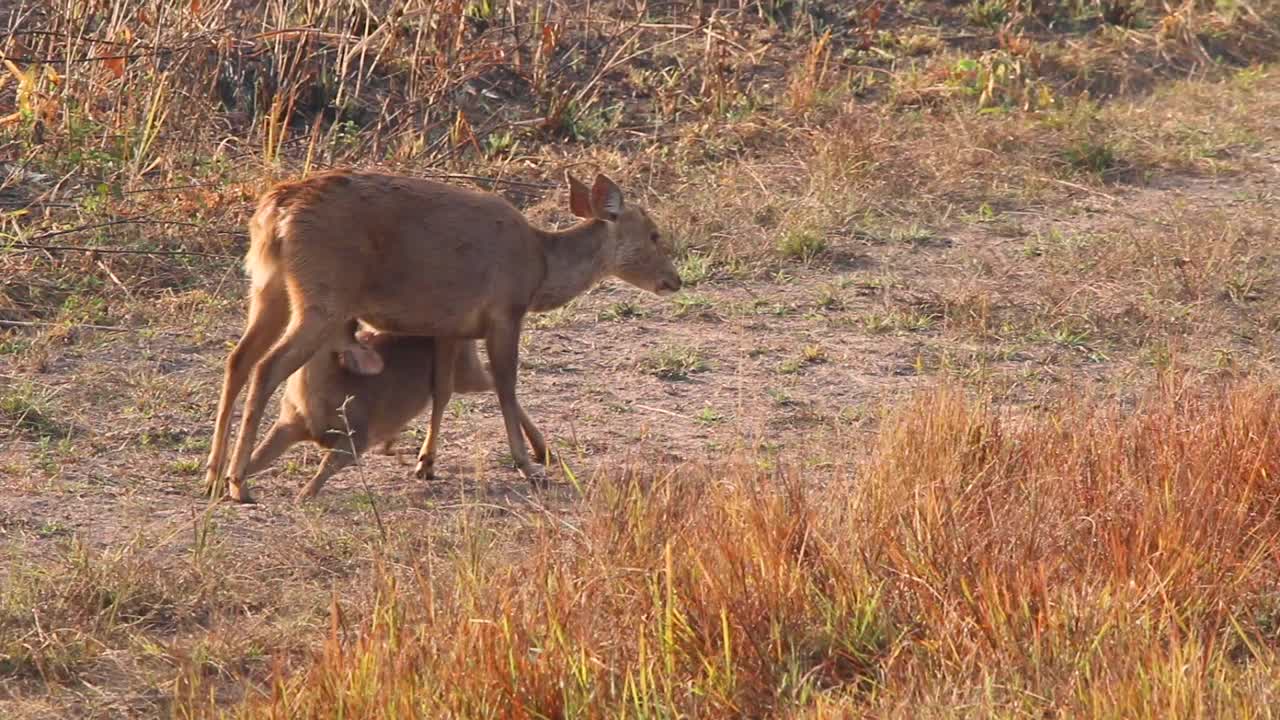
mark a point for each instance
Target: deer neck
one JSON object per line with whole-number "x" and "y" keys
{"x": 576, "y": 258}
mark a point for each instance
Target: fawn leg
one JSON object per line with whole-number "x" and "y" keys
{"x": 441, "y": 390}
{"x": 279, "y": 438}
{"x": 334, "y": 460}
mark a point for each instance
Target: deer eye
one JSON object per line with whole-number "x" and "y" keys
{"x": 654, "y": 238}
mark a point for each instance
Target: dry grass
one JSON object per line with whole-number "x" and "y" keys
{"x": 1073, "y": 562}
{"x": 1062, "y": 214}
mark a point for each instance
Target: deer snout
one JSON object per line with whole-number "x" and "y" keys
{"x": 668, "y": 284}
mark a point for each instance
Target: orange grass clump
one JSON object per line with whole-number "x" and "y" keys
{"x": 1078, "y": 562}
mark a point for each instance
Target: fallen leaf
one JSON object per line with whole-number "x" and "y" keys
{"x": 115, "y": 65}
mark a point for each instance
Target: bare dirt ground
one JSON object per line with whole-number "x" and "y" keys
{"x": 775, "y": 365}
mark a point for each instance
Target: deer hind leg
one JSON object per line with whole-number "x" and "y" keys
{"x": 307, "y": 332}
{"x": 446, "y": 353}
{"x": 268, "y": 315}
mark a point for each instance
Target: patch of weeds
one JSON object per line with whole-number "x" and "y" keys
{"x": 1242, "y": 287}
{"x": 761, "y": 306}
{"x": 26, "y": 410}
{"x": 675, "y": 363}
{"x": 460, "y": 407}
{"x": 913, "y": 235}
{"x": 852, "y": 414}
{"x": 559, "y": 317}
{"x": 14, "y": 345}
{"x": 803, "y": 244}
{"x": 897, "y": 321}
{"x": 780, "y": 397}
{"x": 360, "y": 502}
{"x": 95, "y": 603}
{"x": 52, "y": 528}
{"x": 619, "y": 311}
{"x": 989, "y": 14}
{"x": 708, "y": 416}
{"x": 1002, "y": 81}
{"x": 194, "y": 443}
{"x": 1069, "y": 337}
{"x": 187, "y": 466}
{"x": 879, "y": 283}
{"x": 1091, "y": 156}
{"x": 829, "y": 298}
{"x": 500, "y": 143}
{"x": 1159, "y": 355}
{"x": 809, "y": 355}
{"x": 78, "y": 308}
{"x": 165, "y": 438}
{"x": 695, "y": 268}
{"x": 691, "y": 304}
{"x": 585, "y": 123}
{"x": 51, "y": 452}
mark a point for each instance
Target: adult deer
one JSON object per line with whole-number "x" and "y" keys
{"x": 417, "y": 257}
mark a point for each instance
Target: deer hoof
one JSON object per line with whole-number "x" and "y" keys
{"x": 238, "y": 492}
{"x": 536, "y": 475}
{"x": 425, "y": 469}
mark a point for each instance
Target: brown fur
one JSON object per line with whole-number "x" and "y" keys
{"x": 328, "y": 403}
{"x": 417, "y": 257}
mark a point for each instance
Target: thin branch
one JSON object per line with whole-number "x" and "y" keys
{"x": 93, "y": 58}
{"x": 133, "y": 221}
{"x": 87, "y": 326}
{"x": 355, "y": 455}
{"x": 116, "y": 251}
{"x": 493, "y": 180}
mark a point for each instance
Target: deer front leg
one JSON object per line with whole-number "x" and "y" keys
{"x": 441, "y": 392}
{"x": 470, "y": 376}
{"x": 503, "y": 345}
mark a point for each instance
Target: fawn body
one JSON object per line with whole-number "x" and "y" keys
{"x": 363, "y": 395}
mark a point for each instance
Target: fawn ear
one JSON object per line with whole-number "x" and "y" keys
{"x": 606, "y": 199}
{"x": 361, "y": 360}
{"x": 579, "y": 197}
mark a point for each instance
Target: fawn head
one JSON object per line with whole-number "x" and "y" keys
{"x": 361, "y": 356}
{"x": 641, "y": 256}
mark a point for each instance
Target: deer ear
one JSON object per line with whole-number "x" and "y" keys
{"x": 361, "y": 360}
{"x": 606, "y": 199}
{"x": 579, "y": 197}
